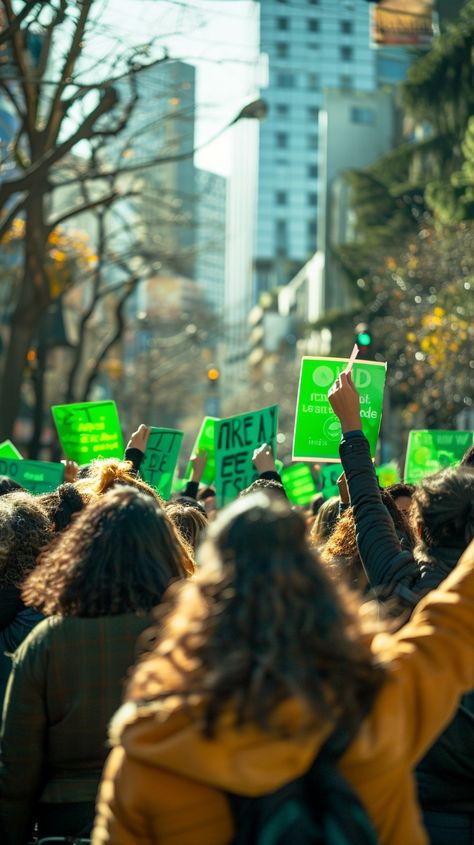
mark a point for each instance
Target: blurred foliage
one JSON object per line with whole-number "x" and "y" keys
{"x": 68, "y": 258}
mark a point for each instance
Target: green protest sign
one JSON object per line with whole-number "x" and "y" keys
{"x": 8, "y": 450}
{"x": 205, "y": 443}
{"x": 35, "y": 476}
{"x": 430, "y": 451}
{"x": 89, "y": 430}
{"x": 317, "y": 429}
{"x": 235, "y": 440}
{"x": 387, "y": 474}
{"x": 328, "y": 476}
{"x": 298, "y": 483}
{"x": 160, "y": 459}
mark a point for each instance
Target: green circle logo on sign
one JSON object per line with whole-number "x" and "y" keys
{"x": 323, "y": 376}
{"x": 332, "y": 429}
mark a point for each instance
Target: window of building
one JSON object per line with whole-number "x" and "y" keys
{"x": 312, "y": 141}
{"x": 313, "y": 112}
{"x": 312, "y": 25}
{"x": 281, "y": 198}
{"x": 312, "y": 199}
{"x": 282, "y": 109}
{"x": 281, "y": 237}
{"x": 312, "y": 231}
{"x": 346, "y": 54}
{"x": 281, "y": 140}
{"x": 281, "y": 162}
{"x": 282, "y": 50}
{"x": 346, "y": 82}
{"x": 362, "y": 115}
{"x": 312, "y": 80}
{"x": 313, "y": 2}
{"x": 312, "y": 171}
{"x": 312, "y": 45}
{"x": 346, "y": 27}
{"x": 282, "y": 24}
{"x": 285, "y": 80}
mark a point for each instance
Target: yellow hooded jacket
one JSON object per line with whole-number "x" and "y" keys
{"x": 163, "y": 783}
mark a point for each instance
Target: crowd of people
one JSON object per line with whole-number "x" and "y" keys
{"x": 177, "y": 675}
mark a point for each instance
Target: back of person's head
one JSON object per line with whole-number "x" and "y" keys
{"x": 269, "y": 485}
{"x": 316, "y": 503}
{"x": 25, "y": 529}
{"x": 325, "y": 521}
{"x": 190, "y": 521}
{"x": 260, "y": 624}
{"x": 8, "y": 485}
{"x": 444, "y": 508}
{"x": 105, "y": 474}
{"x": 62, "y": 504}
{"x": 467, "y": 459}
{"x": 402, "y": 495}
{"x": 118, "y": 556}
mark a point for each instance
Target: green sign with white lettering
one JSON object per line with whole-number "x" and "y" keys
{"x": 205, "y": 443}
{"x": 89, "y": 430}
{"x": 430, "y": 451}
{"x": 161, "y": 457}
{"x": 35, "y": 476}
{"x": 317, "y": 429}
{"x": 235, "y": 440}
{"x": 298, "y": 483}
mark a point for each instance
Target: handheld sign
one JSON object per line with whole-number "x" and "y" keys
{"x": 328, "y": 476}
{"x": 235, "y": 439}
{"x": 317, "y": 429}
{"x": 89, "y": 430}
{"x": 387, "y": 474}
{"x": 205, "y": 443}
{"x": 160, "y": 459}
{"x": 35, "y": 476}
{"x": 8, "y": 450}
{"x": 298, "y": 483}
{"x": 430, "y": 451}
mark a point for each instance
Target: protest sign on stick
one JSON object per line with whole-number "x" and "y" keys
{"x": 317, "y": 428}
{"x": 430, "y": 451}
{"x": 89, "y": 430}
{"x": 235, "y": 440}
{"x": 205, "y": 443}
{"x": 8, "y": 450}
{"x": 34, "y": 476}
{"x": 160, "y": 459}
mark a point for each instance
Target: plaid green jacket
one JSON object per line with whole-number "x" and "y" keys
{"x": 66, "y": 683}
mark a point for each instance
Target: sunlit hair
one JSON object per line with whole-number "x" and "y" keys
{"x": 325, "y": 521}
{"x": 444, "y": 508}
{"x": 104, "y": 474}
{"x": 62, "y": 504}
{"x": 190, "y": 521}
{"x": 119, "y": 556}
{"x": 24, "y": 529}
{"x": 260, "y": 624}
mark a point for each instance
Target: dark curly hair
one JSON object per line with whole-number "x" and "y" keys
{"x": 444, "y": 507}
{"x": 25, "y": 529}
{"x": 62, "y": 504}
{"x": 8, "y": 485}
{"x": 119, "y": 556}
{"x": 260, "y": 624}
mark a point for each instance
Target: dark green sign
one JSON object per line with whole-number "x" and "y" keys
{"x": 35, "y": 476}
{"x": 160, "y": 459}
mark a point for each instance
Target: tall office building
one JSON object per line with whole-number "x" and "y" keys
{"x": 210, "y": 237}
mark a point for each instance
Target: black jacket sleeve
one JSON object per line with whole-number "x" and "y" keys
{"x": 191, "y": 490}
{"x": 136, "y": 457}
{"x": 390, "y": 570}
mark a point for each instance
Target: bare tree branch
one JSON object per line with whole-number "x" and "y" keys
{"x": 17, "y": 20}
{"x": 88, "y": 206}
{"x": 7, "y": 222}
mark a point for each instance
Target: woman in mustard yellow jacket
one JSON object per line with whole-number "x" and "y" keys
{"x": 259, "y": 658}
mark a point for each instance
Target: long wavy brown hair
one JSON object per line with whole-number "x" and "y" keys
{"x": 119, "y": 556}
{"x": 260, "y": 624}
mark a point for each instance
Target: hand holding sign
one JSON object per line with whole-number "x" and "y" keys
{"x": 198, "y": 463}
{"x": 345, "y": 402}
{"x": 139, "y": 438}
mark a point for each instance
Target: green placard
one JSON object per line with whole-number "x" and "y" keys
{"x": 89, "y": 430}
{"x": 35, "y": 476}
{"x": 328, "y": 476}
{"x": 235, "y": 439}
{"x": 317, "y": 429}
{"x": 387, "y": 474}
{"x": 160, "y": 459}
{"x": 430, "y": 451}
{"x": 298, "y": 483}
{"x": 8, "y": 450}
{"x": 205, "y": 443}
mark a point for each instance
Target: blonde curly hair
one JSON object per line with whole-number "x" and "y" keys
{"x": 105, "y": 474}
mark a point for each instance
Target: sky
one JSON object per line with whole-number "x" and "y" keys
{"x": 217, "y": 36}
